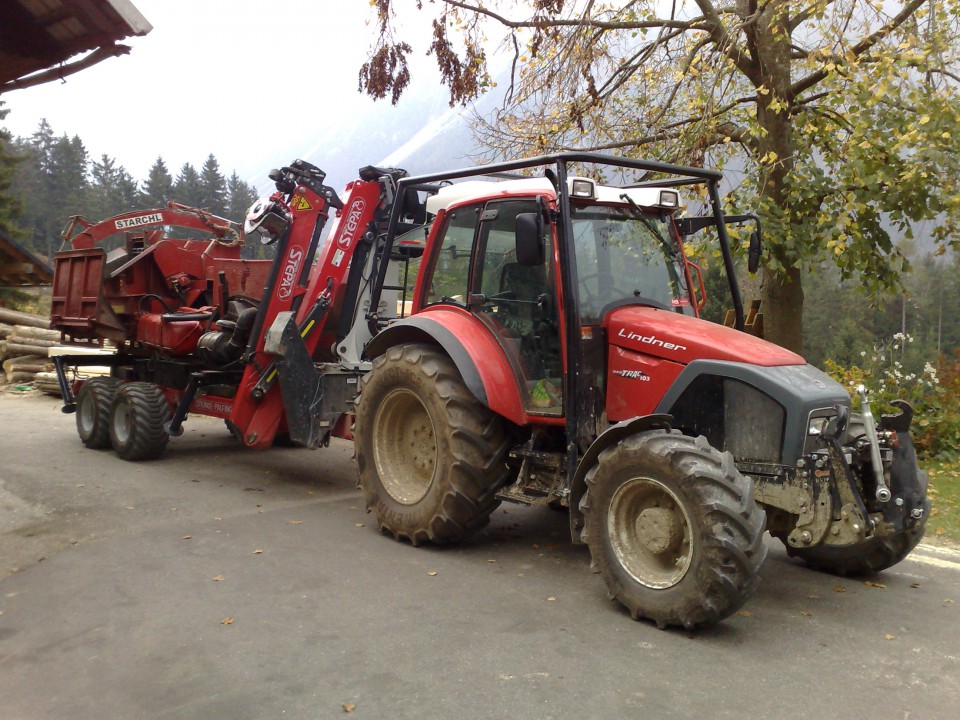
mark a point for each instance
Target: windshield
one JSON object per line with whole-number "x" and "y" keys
{"x": 622, "y": 255}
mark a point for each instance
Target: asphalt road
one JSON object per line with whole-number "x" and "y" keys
{"x": 224, "y": 583}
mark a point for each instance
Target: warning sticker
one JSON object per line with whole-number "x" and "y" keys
{"x": 300, "y": 203}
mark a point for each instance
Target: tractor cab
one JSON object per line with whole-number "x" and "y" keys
{"x": 497, "y": 251}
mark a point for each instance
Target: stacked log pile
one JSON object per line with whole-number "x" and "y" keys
{"x": 25, "y": 346}
{"x": 25, "y": 343}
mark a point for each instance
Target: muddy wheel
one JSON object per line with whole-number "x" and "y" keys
{"x": 431, "y": 457}
{"x": 673, "y": 529}
{"x": 869, "y": 557}
{"x": 137, "y": 416}
{"x": 93, "y": 411}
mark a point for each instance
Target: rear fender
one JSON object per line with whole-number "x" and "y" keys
{"x": 610, "y": 436}
{"x": 479, "y": 358}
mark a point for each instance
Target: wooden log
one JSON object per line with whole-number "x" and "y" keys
{"x": 35, "y": 342}
{"x": 47, "y": 383}
{"x": 14, "y": 349}
{"x": 20, "y": 377}
{"x": 25, "y": 331}
{"x": 15, "y": 317}
{"x": 5, "y": 330}
{"x": 27, "y": 363}
{"x": 20, "y": 372}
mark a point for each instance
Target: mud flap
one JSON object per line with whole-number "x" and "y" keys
{"x": 313, "y": 400}
{"x": 299, "y": 380}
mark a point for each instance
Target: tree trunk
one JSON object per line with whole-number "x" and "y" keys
{"x": 782, "y": 309}
{"x": 782, "y": 293}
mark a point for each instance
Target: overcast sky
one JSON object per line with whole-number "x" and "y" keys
{"x": 236, "y": 78}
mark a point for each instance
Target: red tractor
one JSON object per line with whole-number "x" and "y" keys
{"x": 532, "y": 338}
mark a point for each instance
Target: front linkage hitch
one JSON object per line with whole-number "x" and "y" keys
{"x": 870, "y": 488}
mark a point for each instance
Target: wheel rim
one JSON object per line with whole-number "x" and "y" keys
{"x": 650, "y": 533}
{"x": 405, "y": 446}
{"x": 87, "y": 413}
{"x": 121, "y": 422}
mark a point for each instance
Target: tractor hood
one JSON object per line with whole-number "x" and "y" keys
{"x": 683, "y": 339}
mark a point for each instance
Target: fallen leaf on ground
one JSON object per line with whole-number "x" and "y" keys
{"x": 258, "y": 551}
{"x": 491, "y": 561}
{"x": 361, "y": 524}
{"x": 914, "y": 585}
{"x": 813, "y": 597}
{"x": 227, "y": 621}
{"x": 839, "y": 588}
{"x": 870, "y": 583}
{"x": 552, "y": 598}
{"x": 889, "y": 637}
{"x": 294, "y": 522}
{"x": 745, "y": 613}
{"x": 947, "y": 601}
{"x": 432, "y": 573}
{"x": 186, "y": 537}
{"x": 806, "y": 614}
{"x": 217, "y": 578}
{"x": 349, "y": 707}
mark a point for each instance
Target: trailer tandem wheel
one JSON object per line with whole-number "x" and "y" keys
{"x": 137, "y": 417}
{"x": 93, "y": 411}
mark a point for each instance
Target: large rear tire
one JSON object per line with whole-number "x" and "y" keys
{"x": 431, "y": 457}
{"x": 673, "y": 529}
{"x": 137, "y": 417}
{"x": 93, "y": 411}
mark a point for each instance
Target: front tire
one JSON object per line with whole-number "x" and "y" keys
{"x": 93, "y": 411}
{"x": 673, "y": 529}
{"x": 431, "y": 457}
{"x": 137, "y": 417}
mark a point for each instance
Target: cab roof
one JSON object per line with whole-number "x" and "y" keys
{"x": 450, "y": 195}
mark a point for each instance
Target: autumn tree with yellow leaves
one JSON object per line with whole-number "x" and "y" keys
{"x": 843, "y": 118}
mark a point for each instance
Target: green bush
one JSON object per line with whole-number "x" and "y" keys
{"x": 933, "y": 394}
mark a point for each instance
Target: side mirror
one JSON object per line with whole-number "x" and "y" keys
{"x": 754, "y": 253}
{"x": 529, "y": 234}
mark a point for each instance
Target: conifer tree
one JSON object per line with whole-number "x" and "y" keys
{"x": 187, "y": 187}
{"x": 9, "y": 205}
{"x": 157, "y": 189}
{"x": 213, "y": 188}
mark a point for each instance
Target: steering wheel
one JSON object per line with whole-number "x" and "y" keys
{"x": 605, "y": 290}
